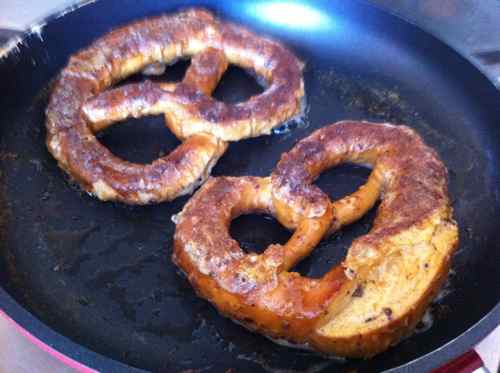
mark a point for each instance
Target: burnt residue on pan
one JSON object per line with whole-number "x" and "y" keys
{"x": 377, "y": 100}
{"x": 68, "y": 247}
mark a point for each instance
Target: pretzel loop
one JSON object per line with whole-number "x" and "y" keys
{"x": 257, "y": 290}
{"x": 79, "y": 108}
{"x": 397, "y": 265}
{"x": 189, "y": 111}
{"x": 141, "y": 99}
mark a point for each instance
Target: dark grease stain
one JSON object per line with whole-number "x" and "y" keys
{"x": 67, "y": 247}
{"x": 105, "y": 277}
{"x": 358, "y": 293}
{"x": 387, "y": 312}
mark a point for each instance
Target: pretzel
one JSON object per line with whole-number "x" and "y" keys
{"x": 190, "y": 111}
{"x": 255, "y": 290}
{"x": 79, "y": 108}
{"x": 381, "y": 289}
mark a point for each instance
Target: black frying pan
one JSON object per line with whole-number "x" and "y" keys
{"x": 94, "y": 280}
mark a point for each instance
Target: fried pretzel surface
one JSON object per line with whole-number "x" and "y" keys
{"x": 381, "y": 289}
{"x": 79, "y": 105}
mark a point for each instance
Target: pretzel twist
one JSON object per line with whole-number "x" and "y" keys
{"x": 413, "y": 226}
{"x": 79, "y": 108}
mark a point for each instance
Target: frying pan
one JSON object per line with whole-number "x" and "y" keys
{"x": 94, "y": 280}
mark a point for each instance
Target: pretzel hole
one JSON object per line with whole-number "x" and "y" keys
{"x": 139, "y": 140}
{"x": 342, "y": 180}
{"x": 256, "y": 232}
{"x": 238, "y": 85}
{"x": 337, "y": 182}
{"x": 332, "y": 250}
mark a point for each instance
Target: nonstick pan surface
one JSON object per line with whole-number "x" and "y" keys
{"x": 95, "y": 280}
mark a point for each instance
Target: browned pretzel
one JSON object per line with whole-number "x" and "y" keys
{"x": 254, "y": 289}
{"x": 378, "y": 294}
{"x": 78, "y": 106}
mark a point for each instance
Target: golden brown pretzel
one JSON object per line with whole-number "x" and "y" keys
{"x": 71, "y": 123}
{"x": 256, "y": 290}
{"x": 189, "y": 111}
{"x": 395, "y": 269}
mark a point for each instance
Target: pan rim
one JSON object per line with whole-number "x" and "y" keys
{"x": 48, "y": 336}
{"x": 95, "y": 360}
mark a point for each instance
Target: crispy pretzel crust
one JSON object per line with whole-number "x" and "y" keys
{"x": 389, "y": 276}
{"x": 190, "y": 111}
{"x": 78, "y": 106}
{"x": 256, "y": 290}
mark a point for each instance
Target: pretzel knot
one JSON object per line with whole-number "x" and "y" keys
{"x": 381, "y": 289}
{"x": 79, "y": 108}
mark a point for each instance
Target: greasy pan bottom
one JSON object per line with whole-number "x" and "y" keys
{"x": 100, "y": 273}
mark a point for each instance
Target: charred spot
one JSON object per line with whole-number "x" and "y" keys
{"x": 84, "y": 301}
{"x": 359, "y": 292}
{"x": 369, "y": 319}
{"x": 310, "y": 150}
{"x": 387, "y": 312}
{"x": 442, "y": 311}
